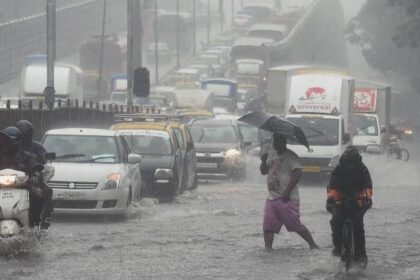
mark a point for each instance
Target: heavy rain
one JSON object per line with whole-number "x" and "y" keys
{"x": 209, "y": 139}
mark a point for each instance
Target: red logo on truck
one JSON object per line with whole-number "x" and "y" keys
{"x": 314, "y": 93}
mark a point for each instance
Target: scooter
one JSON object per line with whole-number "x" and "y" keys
{"x": 14, "y": 203}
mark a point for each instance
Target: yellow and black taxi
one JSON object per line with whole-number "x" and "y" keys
{"x": 188, "y": 115}
{"x": 154, "y": 138}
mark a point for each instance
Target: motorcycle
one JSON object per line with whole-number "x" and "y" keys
{"x": 395, "y": 151}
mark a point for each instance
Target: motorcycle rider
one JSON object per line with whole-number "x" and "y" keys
{"x": 349, "y": 179}
{"x": 29, "y": 145}
{"x": 16, "y": 158}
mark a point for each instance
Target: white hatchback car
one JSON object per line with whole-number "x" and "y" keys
{"x": 94, "y": 173}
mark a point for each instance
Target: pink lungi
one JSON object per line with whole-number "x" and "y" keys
{"x": 278, "y": 213}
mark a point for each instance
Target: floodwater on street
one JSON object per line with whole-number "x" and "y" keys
{"x": 215, "y": 233}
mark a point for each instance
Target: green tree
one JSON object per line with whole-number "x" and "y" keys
{"x": 388, "y": 32}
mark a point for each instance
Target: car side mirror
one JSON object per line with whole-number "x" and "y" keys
{"x": 50, "y": 156}
{"x": 383, "y": 129}
{"x": 346, "y": 138}
{"x": 134, "y": 158}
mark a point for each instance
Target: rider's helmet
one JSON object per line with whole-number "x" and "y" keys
{"x": 26, "y": 129}
{"x": 351, "y": 158}
{"x": 15, "y": 136}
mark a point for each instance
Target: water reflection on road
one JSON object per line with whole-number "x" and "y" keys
{"x": 215, "y": 233}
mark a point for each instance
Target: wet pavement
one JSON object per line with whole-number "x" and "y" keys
{"x": 215, "y": 233}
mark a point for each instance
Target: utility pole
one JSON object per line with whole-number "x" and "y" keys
{"x": 194, "y": 28}
{"x": 156, "y": 45}
{"x": 222, "y": 15}
{"x": 101, "y": 55}
{"x": 208, "y": 22}
{"x": 49, "y": 90}
{"x": 129, "y": 54}
{"x": 177, "y": 34}
{"x": 387, "y": 116}
{"x": 232, "y": 12}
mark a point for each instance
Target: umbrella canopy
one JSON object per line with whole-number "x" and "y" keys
{"x": 277, "y": 125}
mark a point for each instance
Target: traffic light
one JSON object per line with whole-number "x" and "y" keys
{"x": 141, "y": 82}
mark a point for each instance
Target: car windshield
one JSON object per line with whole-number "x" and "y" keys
{"x": 219, "y": 90}
{"x": 318, "y": 131}
{"x": 80, "y": 149}
{"x": 214, "y": 134}
{"x": 248, "y": 69}
{"x": 366, "y": 125}
{"x": 148, "y": 142}
{"x": 249, "y": 133}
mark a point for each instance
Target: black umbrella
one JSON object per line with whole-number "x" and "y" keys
{"x": 277, "y": 125}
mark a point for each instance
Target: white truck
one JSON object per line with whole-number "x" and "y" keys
{"x": 370, "y": 114}
{"x": 320, "y": 101}
{"x": 68, "y": 82}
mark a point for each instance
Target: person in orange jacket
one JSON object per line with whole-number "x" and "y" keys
{"x": 349, "y": 179}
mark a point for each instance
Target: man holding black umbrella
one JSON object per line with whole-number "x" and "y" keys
{"x": 283, "y": 170}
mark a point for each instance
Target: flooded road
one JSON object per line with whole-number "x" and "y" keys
{"x": 215, "y": 233}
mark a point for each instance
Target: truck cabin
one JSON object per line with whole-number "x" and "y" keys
{"x": 249, "y": 48}
{"x": 249, "y": 73}
{"x": 263, "y": 10}
{"x": 187, "y": 78}
{"x": 224, "y": 91}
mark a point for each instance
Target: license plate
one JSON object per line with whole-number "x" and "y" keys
{"x": 7, "y": 195}
{"x": 71, "y": 195}
{"x": 311, "y": 169}
{"x": 207, "y": 164}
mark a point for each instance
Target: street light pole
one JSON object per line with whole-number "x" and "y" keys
{"x": 177, "y": 34}
{"x": 101, "y": 55}
{"x": 129, "y": 54}
{"x": 208, "y": 22}
{"x": 49, "y": 90}
{"x": 156, "y": 44}
{"x": 194, "y": 28}
{"x": 222, "y": 16}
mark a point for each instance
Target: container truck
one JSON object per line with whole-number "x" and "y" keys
{"x": 68, "y": 82}
{"x": 319, "y": 101}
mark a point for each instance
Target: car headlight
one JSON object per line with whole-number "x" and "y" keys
{"x": 8, "y": 180}
{"x": 232, "y": 154}
{"x": 408, "y": 132}
{"x": 112, "y": 182}
{"x": 334, "y": 161}
{"x": 164, "y": 174}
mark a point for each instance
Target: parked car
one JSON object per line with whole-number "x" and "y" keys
{"x": 220, "y": 149}
{"x": 164, "y": 53}
{"x": 94, "y": 171}
{"x": 162, "y": 158}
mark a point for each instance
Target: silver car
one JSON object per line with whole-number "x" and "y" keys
{"x": 94, "y": 173}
